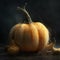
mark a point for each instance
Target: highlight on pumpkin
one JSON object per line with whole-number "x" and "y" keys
{"x": 30, "y": 37}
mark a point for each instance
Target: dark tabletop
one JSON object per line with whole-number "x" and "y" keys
{"x": 26, "y": 56}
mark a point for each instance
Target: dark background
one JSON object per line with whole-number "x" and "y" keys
{"x": 45, "y": 11}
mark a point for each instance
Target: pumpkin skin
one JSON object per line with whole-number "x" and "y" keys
{"x": 30, "y": 37}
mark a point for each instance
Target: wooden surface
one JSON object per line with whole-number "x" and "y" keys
{"x": 26, "y": 56}
{"x": 49, "y": 57}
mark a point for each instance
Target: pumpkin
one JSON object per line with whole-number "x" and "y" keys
{"x": 29, "y": 37}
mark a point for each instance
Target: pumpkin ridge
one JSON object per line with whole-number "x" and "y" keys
{"x": 42, "y": 35}
{"x": 34, "y": 35}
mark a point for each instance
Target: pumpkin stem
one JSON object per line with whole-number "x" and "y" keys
{"x": 26, "y": 13}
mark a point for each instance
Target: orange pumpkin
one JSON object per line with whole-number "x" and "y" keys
{"x": 30, "y": 37}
